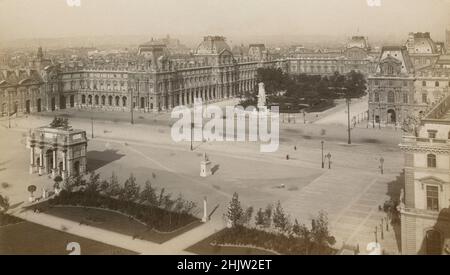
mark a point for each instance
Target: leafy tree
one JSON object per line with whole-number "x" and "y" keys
{"x": 130, "y": 191}
{"x": 112, "y": 187}
{"x": 355, "y": 85}
{"x": 32, "y": 189}
{"x": 148, "y": 195}
{"x": 247, "y": 216}
{"x": 4, "y": 203}
{"x": 260, "y": 218}
{"x": 58, "y": 179}
{"x": 320, "y": 234}
{"x": 280, "y": 220}
{"x": 234, "y": 213}
{"x": 93, "y": 184}
{"x": 268, "y": 216}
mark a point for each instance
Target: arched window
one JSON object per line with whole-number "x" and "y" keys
{"x": 377, "y": 97}
{"x": 391, "y": 97}
{"x": 431, "y": 161}
{"x": 103, "y": 100}
{"x": 83, "y": 99}
{"x": 436, "y": 84}
{"x": 110, "y": 99}
{"x": 424, "y": 83}
{"x": 89, "y": 99}
{"x": 117, "y": 100}
{"x": 124, "y": 101}
{"x": 96, "y": 100}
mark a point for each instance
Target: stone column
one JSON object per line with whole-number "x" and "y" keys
{"x": 205, "y": 211}
{"x": 32, "y": 160}
{"x": 41, "y": 162}
{"x": 64, "y": 164}
{"x": 54, "y": 163}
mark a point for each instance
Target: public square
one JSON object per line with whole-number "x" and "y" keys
{"x": 350, "y": 192}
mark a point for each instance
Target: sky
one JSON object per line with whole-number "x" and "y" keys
{"x": 56, "y": 18}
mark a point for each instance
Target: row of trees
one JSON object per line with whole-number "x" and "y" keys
{"x": 274, "y": 219}
{"x": 306, "y": 89}
{"x": 154, "y": 206}
{"x": 130, "y": 191}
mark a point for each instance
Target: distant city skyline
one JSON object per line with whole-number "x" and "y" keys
{"x": 236, "y": 19}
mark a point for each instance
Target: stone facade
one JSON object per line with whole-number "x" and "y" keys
{"x": 422, "y": 79}
{"x": 57, "y": 151}
{"x": 158, "y": 82}
{"x": 391, "y": 87}
{"x": 155, "y": 80}
{"x": 425, "y": 203}
{"x": 356, "y": 56}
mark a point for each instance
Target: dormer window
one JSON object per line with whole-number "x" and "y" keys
{"x": 390, "y": 69}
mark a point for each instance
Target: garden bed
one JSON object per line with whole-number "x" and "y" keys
{"x": 129, "y": 218}
{"x": 251, "y": 241}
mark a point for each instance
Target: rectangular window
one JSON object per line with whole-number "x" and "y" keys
{"x": 424, "y": 98}
{"x": 431, "y": 134}
{"x": 433, "y": 198}
{"x": 405, "y": 98}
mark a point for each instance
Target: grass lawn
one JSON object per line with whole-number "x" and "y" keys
{"x": 204, "y": 247}
{"x": 113, "y": 221}
{"x": 26, "y": 238}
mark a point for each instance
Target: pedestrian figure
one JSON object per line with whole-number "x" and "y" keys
{"x": 287, "y": 157}
{"x": 295, "y": 148}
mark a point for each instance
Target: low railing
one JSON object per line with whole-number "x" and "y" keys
{"x": 415, "y": 140}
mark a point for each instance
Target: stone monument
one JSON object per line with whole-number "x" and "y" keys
{"x": 205, "y": 211}
{"x": 261, "y": 96}
{"x": 205, "y": 166}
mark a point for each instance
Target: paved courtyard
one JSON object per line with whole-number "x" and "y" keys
{"x": 350, "y": 192}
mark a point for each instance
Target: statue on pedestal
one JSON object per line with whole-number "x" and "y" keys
{"x": 261, "y": 96}
{"x": 205, "y": 167}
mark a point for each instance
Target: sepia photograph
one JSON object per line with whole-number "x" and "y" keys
{"x": 251, "y": 128}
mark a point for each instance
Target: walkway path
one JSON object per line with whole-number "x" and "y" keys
{"x": 175, "y": 246}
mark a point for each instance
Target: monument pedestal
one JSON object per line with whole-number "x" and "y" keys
{"x": 205, "y": 167}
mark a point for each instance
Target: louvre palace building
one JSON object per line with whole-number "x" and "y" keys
{"x": 154, "y": 80}
{"x": 408, "y": 80}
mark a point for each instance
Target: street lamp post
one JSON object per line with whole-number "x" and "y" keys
{"x": 329, "y": 160}
{"x": 92, "y": 127}
{"x": 381, "y": 165}
{"x": 9, "y": 110}
{"x": 323, "y": 164}
{"x": 348, "y": 120}
{"x": 192, "y": 136}
{"x": 304, "y": 117}
{"x": 376, "y": 234}
{"x": 131, "y": 106}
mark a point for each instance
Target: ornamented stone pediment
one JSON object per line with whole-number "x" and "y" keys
{"x": 390, "y": 66}
{"x": 390, "y": 59}
{"x": 433, "y": 181}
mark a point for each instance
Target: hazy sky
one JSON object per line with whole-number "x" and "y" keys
{"x": 55, "y": 18}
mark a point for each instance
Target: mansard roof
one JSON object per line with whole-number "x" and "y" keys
{"x": 19, "y": 77}
{"x": 212, "y": 45}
